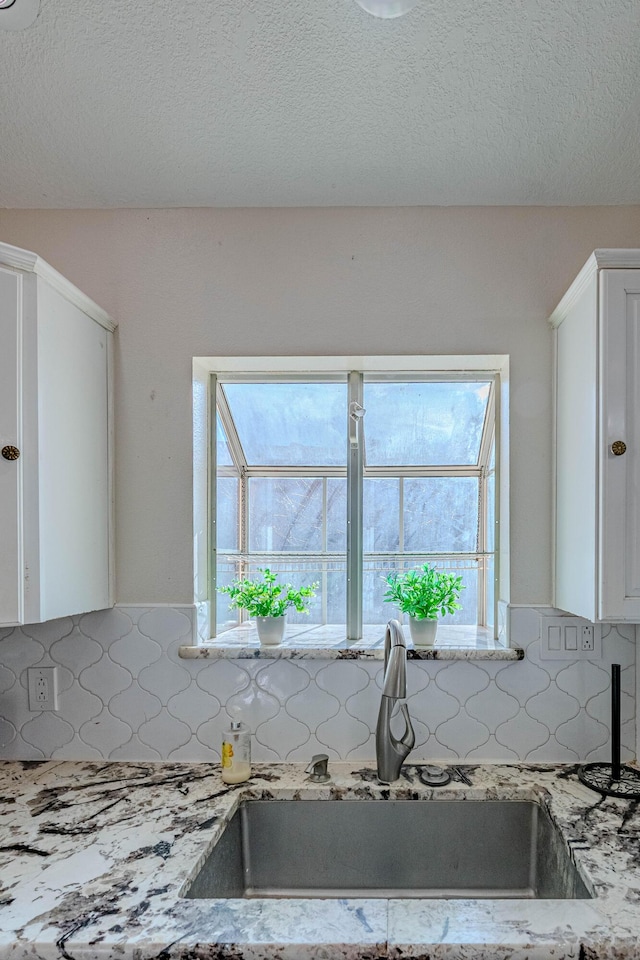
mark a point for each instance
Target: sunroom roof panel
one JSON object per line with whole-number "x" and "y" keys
{"x": 290, "y": 424}
{"x": 424, "y": 423}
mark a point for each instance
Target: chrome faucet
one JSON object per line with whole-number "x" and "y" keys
{"x": 390, "y": 752}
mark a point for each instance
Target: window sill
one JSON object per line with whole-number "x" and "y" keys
{"x": 305, "y": 642}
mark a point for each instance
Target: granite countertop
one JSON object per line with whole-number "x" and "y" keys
{"x": 303, "y": 642}
{"x": 95, "y": 857}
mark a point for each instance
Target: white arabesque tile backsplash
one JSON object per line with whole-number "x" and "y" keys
{"x": 124, "y": 693}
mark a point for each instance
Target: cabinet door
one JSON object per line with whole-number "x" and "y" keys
{"x": 73, "y": 459}
{"x": 619, "y": 473}
{"x": 11, "y": 570}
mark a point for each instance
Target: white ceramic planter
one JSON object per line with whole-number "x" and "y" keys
{"x": 423, "y": 632}
{"x": 270, "y": 630}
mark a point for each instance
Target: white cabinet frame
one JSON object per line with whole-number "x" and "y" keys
{"x": 56, "y": 407}
{"x": 597, "y": 402}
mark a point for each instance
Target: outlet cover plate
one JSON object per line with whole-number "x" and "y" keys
{"x": 43, "y": 688}
{"x": 570, "y": 638}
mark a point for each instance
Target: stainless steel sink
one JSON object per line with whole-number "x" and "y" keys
{"x": 389, "y": 848}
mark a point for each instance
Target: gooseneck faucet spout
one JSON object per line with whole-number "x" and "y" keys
{"x": 390, "y": 752}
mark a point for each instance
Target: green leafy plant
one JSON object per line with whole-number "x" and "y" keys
{"x": 266, "y": 597}
{"x": 425, "y": 593}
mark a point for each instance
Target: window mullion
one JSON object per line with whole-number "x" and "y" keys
{"x": 324, "y": 579}
{"x": 481, "y": 545}
{"x": 355, "y": 464}
{"x": 243, "y": 533}
{"x": 439, "y": 470}
{"x": 212, "y": 467}
{"x": 229, "y": 426}
{"x": 498, "y": 501}
{"x": 488, "y": 428}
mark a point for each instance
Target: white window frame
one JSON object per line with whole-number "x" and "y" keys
{"x": 491, "y": 366}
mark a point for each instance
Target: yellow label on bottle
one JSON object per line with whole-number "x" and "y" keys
{"x": 227, "y": 754}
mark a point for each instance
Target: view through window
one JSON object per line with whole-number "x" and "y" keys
{"x": 349, "y": 477}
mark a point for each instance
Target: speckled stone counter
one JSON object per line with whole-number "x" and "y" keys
{"x": 328, "y": 643}
{"x": 95, "y": 857}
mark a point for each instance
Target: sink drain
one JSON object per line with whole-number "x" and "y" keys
{"x": 434, "y": 776}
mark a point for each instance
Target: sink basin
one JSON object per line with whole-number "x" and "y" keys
{"x": 389, "y": 848}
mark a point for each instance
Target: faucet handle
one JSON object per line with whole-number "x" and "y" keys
{"x": 318, "y": 768}
{"x": 408, "y": 740}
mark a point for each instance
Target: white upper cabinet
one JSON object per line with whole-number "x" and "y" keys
{"x": 597, "y": 440}
{"x": 56, "y": 423}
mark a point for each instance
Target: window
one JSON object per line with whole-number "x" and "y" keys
{"x": 331, "y": 471}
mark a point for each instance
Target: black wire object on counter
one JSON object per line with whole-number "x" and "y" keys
{"x": 612, "y": 779}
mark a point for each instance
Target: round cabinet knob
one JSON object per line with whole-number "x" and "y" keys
{"x": 10, "y": 453}
{"x": 618, "y": 447}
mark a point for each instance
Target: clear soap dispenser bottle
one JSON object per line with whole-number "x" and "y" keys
{"x": 236, "y": 753}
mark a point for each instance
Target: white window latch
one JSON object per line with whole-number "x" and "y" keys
{"x": 356, "y": 413}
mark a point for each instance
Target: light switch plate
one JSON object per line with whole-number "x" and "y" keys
{"x": 43, "y": 688}
{"x": 570, "y": 638}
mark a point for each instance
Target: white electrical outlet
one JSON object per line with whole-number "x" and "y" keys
{"x": 587, "y": 640}
{"x": 43, "y": 688}
{"x": 569, "y": 638}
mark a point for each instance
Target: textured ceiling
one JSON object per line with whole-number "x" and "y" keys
{"x": 314, "y": 102}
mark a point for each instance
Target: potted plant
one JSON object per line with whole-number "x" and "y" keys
{"x": 268, "y": 601}
{"x": 424, "y": 595}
